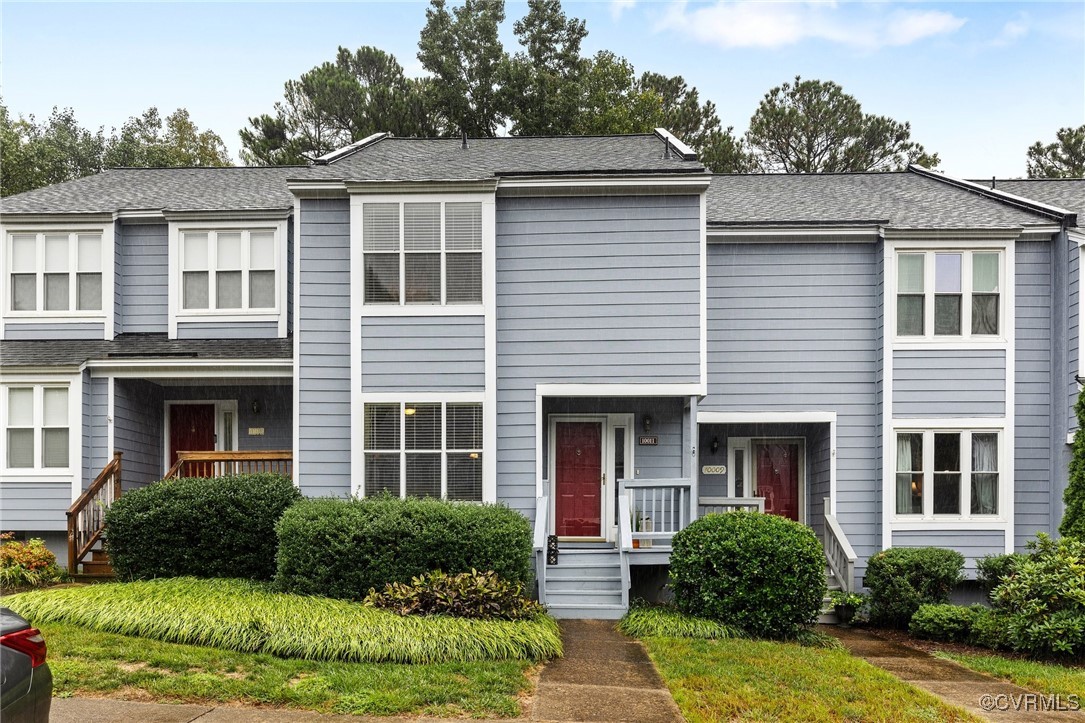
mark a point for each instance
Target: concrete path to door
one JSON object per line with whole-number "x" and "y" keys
{"x": 604, "y": 676}
{"x": 981, "y": 695}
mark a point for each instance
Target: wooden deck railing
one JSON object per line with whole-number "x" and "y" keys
{"x": 86, "y": 516}
{"x": 220, "y": 464}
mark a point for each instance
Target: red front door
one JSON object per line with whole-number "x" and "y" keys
{"x": 778, "y": 477}
{"x": 578, "y": 457}
{"x": 192, "y": 428}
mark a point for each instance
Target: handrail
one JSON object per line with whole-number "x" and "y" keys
{"x": 838, "y": 551}
{"x": 542, "y": 510}
{"x": 86, "y": 516}
{"x": 640, "y": 483}
{"x": 625, "y": 544}
{"x": 663, "y": 504}
{"x": 217, "y": 463}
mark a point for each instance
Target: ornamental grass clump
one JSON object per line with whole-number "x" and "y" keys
{"x": 248, "y": 617}
{"x": 664, "y": 621}
{"x": 762, "y": 573}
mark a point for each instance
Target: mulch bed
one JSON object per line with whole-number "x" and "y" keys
{"x": 935, "y": 646}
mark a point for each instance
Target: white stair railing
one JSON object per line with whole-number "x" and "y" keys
{"x": 838, "y": 551}
{"x": 542, "y": 511}
{"x": 625, "y": 545}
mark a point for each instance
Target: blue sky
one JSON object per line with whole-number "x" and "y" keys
{"x": 978, "y": 81}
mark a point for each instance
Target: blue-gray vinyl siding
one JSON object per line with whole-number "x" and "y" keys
{"x": 589, "y": 290}
{"x": 36, "y": 506}
{"x": 323, "y": 333}
{"x": 949, "y": 383}
{"x": 973, "y": 544}
{"x": 1033, "y": 393}
{"x": 423, "y": 354}
{"x": 138, "y": 431}
{"x": 796, "y": 327}
{"x": 20, "y": 331}
{"x": 227, "y": 330}
{"x": 143, "y": 281}
{"x": 96, "y": 452}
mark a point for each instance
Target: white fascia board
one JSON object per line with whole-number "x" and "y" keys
{"x": 65, "y": 220}
{"x": 135, "y": 215}
{"x": 434, "y": 186}
{"x": 618, "y": 390}
{"x": 347, "y": 150}
{"x": 192, "y": 367}
{"x": 755, "y": 233}
{"x": 1077, "y": 236}
{"x": 811, "y": 417}
{"x": 269, "y": 214}
{"x": 20, "y": 375}
{"x": 992, "y": 193}
{"x": 953, "y": 234}
{"x": 317, "y": 189}
{"x": 673, "y": 184}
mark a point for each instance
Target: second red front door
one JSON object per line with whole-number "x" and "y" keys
{"x": 578, "y": 473}
{"x": 778, "y": 477}
{"x": 192, "y": 428}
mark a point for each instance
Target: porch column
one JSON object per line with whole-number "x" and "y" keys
{"x": 694, "y": 467}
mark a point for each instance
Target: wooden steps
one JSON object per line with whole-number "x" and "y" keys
{"x": 99, "y": 568}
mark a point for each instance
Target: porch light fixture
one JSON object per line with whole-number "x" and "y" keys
{"x": 647, "y": 422}
{"x": 255, "y": 406}
{"x": 715, "y": 445}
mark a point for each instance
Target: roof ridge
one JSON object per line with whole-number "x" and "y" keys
{"x": 1027, "y": 204}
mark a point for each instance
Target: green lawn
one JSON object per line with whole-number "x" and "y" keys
{"x": 735, "y": 679}
{"x": 1040, "y": 677}
{"x": 87, "y": 662}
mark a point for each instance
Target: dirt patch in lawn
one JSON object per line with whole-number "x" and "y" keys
{"x": 936, "y": 646}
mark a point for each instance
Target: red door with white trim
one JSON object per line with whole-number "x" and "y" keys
{"x": 192, "y": 428}
{"x": 578, "y": 478}
{"x": 778, "y": 477}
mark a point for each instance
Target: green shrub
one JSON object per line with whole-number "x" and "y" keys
{"x": 762, "y": 573}
{"x": 949, "y": 623}
{"x": 903, "y": 578}
{"x": 478, "y": 595}
{"x": 1073, "y": 517}
{"x": 26, "y": 564}
{"x": 991, "y": 629}
{"x": 1045, "y": 598}
{"x": 201, "y": 526}
{"x": 344, "y": 548}
{"x": 248, "y": 617}
{"x": 991, "y": 569}
{"x": 664, "y": 621}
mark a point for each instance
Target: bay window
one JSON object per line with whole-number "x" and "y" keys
{"x": 55, "y": 272}
{"x": 36, "y": 427}
{"x": 947, "y": 294}
{"x": 952, "y": 473}
{"x": 423, "y": 449}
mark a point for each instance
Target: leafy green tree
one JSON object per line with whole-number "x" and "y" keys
{"x": 542, "y": 82}
{"x": 814, "y": 127}
{"x": 143, "y": 142}
{"x": 1073, "y": 518}
{"x": 722, "y": 152}
{"x": 463, "y": 52}
{"x": 613, "y": 102}
{"x": 1065, "y": 158}
{"x": 38, "y": 154}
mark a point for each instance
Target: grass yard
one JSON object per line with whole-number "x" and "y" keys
{"x": 91, "y": 663}
{"x": 1040, "y": 677}
{"x": 736, "y": 679}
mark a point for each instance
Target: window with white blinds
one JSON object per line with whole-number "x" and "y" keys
{"x": 36, "y": 427}
{"x": 422, "y": 252}
{"x": 55, "y": 272}
{"x": 423, "y": 449}
{"x": 229, "y": 270}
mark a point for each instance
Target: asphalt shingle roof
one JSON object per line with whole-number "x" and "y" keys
{"x": 1068, "y": 193}
{"x": 168, "y": 189}
{"x": 58, "y": 353}
{"x": 429, "y": 159}
{"x": 903, "y": 199}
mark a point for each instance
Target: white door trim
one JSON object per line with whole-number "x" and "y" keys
{"x": 222, "y": 406}
{"x": 749, "y": 476}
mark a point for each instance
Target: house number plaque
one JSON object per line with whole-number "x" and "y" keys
{"x": 648, "y": 441}
{"x": 713, "y": 469}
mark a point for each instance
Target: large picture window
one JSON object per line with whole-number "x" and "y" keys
{"x": 961, "y": 468}
{"x": 422, "y": 252}
{"x": 423, "y": 449}
{"x": 229, "y": 270}
{"x": 36, "y": 431}
{"x": 946, "y": 294}
{"x": 55, "y": 272}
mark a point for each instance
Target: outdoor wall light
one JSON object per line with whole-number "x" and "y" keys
{"x": 715, "y": 445}
{"x": 255, "y": 406}
{"x": 647, "y": 422}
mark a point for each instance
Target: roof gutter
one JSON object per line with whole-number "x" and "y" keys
{"x": 1067, "y": 218}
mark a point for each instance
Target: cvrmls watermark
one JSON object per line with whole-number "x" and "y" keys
{"x": 1030, "y": 702}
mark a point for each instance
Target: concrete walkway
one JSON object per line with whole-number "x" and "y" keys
{"x": 989, "y": 698}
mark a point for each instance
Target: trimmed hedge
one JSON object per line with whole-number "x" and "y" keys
{"x": 199, "y": 526}
{"x": 992, "y": 569}
{"x": 345, "y": 548}
{"x": 949, "y": 623}
{"x": 762, "y": 573}
{"x": 903, "y": 578}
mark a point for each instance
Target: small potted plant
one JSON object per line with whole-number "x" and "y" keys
{"x": 846, "y": 605}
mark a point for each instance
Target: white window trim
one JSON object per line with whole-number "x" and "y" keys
{"x": 73, "y": 473}
{"x": 401, "y": 398}
{"x": 489, "y": 233}
{"x": 178, "y": 314}
{"x": 965, "y": 520}
{"x": 105, "y": 315}
{"x": 966, "y": 340}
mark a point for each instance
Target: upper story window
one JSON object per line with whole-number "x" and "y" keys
{"x": 36, "y": 427}
{"x": 949, "y": 294}
{"x": 422, "y": 252}
{"x": 229, "y": 270}
{"x": 950, "y": 473}
{"x": 55, "y": 273}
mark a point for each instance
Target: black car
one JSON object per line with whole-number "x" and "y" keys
{"x": 26, "y": 683}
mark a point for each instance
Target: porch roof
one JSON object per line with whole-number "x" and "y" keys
{"x": 67, "y": 352}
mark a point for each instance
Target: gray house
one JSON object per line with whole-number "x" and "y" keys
{"x": 595, "y": 331}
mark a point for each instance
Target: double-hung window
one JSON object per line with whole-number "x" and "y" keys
{"x": 947, "y": 473}
{"x": 229, "y": 270}
{"x": 36, "y": 427}
{"x": 422, "y": 252}
{"x": 55, "y": 272}
{"x": 949, "y": 294}
{"x": 424, "y": 449}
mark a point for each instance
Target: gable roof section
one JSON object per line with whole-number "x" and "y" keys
{"x": 65, "y": 353}
{"x": 445, "y": 159}
{"x": 904, "y": 199}
{"x": 161, "y": 189}
{"x": 1068, "y": 193}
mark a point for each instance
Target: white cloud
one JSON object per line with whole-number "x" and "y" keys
{"x": 1012, "y": 31}
{"x": 732, "y": 24}
{"x": 618, "y": 7}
